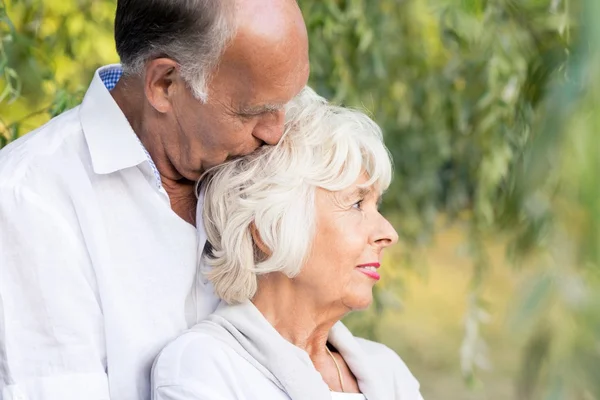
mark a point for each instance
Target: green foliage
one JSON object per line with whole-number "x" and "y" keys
{"x": 553, "y": 204}
{"x": 445, "y": 81}
{"x": 48, "y": 51}
{"x": 489, "y": 110}
{"x": 456, "y": 87}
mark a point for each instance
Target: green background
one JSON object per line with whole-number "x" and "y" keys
{"x": 489, "y": 108}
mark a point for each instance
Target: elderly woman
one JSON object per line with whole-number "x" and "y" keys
{"x": 296, "y": 241}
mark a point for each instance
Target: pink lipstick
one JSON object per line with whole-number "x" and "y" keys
{"x": 370, "y": 270}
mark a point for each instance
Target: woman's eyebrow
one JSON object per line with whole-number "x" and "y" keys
{"x": 364, "y": 192}
{"x": 359, "y": 193}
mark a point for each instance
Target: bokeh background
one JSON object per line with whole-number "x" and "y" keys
{"x": 490, "y": 109}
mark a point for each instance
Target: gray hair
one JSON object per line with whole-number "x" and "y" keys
{"x": 273, "y": 190}
{"x": 194, "y": 33}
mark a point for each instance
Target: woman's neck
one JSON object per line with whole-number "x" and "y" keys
{"x": 297, "y": 316}
{"x": 305, "y": 319}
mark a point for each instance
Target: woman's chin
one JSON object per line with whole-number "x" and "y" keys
{"x": 360, "y": 301}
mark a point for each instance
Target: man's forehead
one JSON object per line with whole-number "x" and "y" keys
{"x": 266, "y": 63}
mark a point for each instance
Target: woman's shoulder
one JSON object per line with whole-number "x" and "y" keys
{"x": 381, "y": 353}
{"x": 200, "y": 364}
{"x": 203, "y": 363}
{"x": 387, "y": 361}
{"x": 191, "y": 353}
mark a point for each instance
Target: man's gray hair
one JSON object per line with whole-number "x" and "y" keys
{"x": 272, "y": 191}
{"x": 192, "y": 32}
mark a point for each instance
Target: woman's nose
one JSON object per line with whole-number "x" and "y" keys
{"x": 386, "y": 234}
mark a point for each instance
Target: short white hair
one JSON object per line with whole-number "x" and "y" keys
{"x": 323, "y": 146}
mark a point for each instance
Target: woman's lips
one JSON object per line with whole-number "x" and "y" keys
{"x": 370, "y": 270}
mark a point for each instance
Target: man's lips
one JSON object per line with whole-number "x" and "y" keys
{"x": 370, "y": 270}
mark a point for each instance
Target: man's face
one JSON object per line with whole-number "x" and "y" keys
{"x": 257, "y": 75}
{"x": 244, "y": 110}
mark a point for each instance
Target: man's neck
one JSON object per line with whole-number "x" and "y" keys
{"x": 182, "y": 195}
{"x": 128, "y": 94}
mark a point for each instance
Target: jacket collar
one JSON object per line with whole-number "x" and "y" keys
{"x": 288, "y": 366}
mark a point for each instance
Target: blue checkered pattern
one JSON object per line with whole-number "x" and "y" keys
{"x": 110, "y": 77}
{"x": 152, "y": 165}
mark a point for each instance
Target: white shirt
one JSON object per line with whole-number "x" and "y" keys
{"x": 207, "y": 381}
{"x": 347, "y": 396}
{"x": 236, "y": 354}
{"x": 200, "y": 367}
{"x": 96, "y": 270}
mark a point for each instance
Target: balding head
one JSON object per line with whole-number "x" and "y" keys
{"x": 211, "y": 76}
{"x": 271, "y": 34}
{"x": 196, "y": 33}
{"x": 270, "y": 22}
{"x": 262, "y": 68}
{"x": 269, "y": 50}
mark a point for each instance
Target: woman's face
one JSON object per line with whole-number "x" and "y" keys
{"x": 348, "y": 245}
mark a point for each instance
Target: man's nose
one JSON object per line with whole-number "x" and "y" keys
{"x": 270, "y": 129}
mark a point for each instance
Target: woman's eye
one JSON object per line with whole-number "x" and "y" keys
{"x": 358, "y": 205}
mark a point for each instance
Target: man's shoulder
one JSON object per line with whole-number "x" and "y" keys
{"x": 38, "y": 151}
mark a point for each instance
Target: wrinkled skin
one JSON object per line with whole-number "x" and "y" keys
{"x": 350, "y": 232}
{"x": 264, "y": 66}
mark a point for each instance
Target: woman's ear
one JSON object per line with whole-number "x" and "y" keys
{"x": 261, "y": 250}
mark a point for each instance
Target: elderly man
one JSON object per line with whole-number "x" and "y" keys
{"x": 98, "y": 245}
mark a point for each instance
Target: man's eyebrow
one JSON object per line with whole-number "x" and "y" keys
{"x": 264, "y": 108}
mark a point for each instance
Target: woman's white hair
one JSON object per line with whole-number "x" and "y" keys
{"x": 273, "y": 191}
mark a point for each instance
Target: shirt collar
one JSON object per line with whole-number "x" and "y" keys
{"x": 113, "y": 144}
